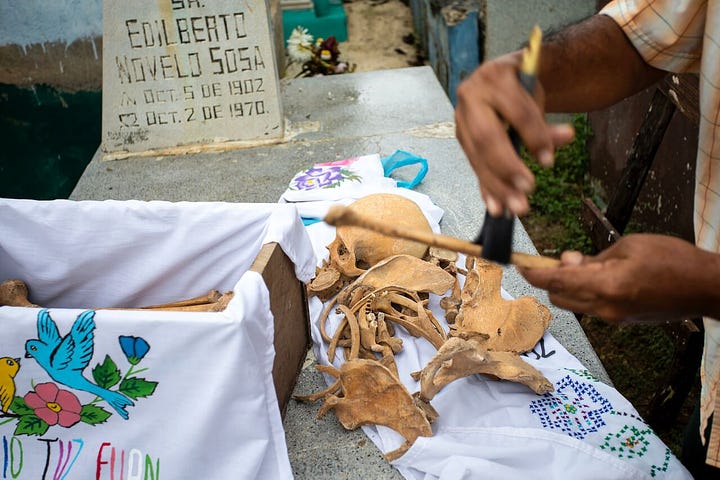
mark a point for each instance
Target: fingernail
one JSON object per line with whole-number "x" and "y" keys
{"x": 493, "y": 206}
{"x": 546, "y": 158}
{"x": 522, "y": 183}
{"x": 571, "y": 258}
{"x": 566, "y": 128}
{"x": 516, "y": 205}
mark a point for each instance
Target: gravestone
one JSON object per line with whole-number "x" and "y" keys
{"x": 188, "y": 75}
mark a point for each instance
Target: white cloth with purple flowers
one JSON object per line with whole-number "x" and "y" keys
{"x": 141, "y": 394}
{"x": 315, "y": 190}
{"x": 341, "y": 179}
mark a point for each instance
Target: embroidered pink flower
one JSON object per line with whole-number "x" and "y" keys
{"x": 53, "y": 405}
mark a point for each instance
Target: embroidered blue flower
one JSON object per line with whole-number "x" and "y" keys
{"x": 134, "y": 348}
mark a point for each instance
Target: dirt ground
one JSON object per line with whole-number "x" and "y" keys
{"x": 380, "y": 36}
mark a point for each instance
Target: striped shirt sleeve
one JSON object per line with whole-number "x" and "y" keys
{"x": 667, "y": 33}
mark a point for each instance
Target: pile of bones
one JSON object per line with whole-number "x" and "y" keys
{"x": 376, "y": 283}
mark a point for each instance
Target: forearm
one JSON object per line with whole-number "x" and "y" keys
{"x": 709, "y": 285}
{"x": 591, "y": 65}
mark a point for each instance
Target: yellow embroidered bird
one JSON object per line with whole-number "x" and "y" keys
{"x": 8, "y": 369}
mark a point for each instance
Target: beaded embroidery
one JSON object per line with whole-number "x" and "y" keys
{"x": 575, "y": 408}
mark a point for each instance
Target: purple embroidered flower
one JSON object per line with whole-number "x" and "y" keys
{"x": 318, "y": 177}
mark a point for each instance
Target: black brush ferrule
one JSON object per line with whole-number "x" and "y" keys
{"x": 496, "y": 238}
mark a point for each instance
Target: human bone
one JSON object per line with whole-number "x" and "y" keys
{"x": 511, "y": 325}
{"x": 355, "y": 249}
{"x": 460, "y": 357}
{"x": 371, "y": 395}
{"x": 488, "y": 336}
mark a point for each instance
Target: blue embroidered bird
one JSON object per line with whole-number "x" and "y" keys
{"x": 8, "y": 369}
{"x": 65, "y": 358}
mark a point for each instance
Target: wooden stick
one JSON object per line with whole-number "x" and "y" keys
{"x": 343, "y": 216}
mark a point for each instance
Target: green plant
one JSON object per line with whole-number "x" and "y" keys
{"x": 559, "y": 191}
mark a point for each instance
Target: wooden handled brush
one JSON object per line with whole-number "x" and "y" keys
{"x": 343, "y": 216}
{"x": 496, "y": 232}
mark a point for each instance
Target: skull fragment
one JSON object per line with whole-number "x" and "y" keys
{"x": 356, "y": 249}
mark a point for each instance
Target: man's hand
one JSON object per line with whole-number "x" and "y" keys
{"x": 490, "y": 99}
{"x": 639, "y": 277}
{"x": 585, "y": 67}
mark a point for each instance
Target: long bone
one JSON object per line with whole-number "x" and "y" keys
{"x": 14, "y": 293}
{"x": 342, "y": 216}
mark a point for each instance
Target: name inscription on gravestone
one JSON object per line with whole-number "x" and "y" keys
{"x": 187, "y": 72}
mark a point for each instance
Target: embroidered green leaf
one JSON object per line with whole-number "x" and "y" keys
{"x": 106, "y": 374}
{"x": 31, "y": 425}
{"x": 92, "y": 414}
{"x": 19, "y": 407}
{"x": 350, "y": 175}
{"x": 137, "y": 387}
{"x": 353, "y": 177}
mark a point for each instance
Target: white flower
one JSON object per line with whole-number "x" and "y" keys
{"x": 299, "y": 45}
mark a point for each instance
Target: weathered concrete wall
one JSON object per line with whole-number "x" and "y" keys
{"x": 59, "y": 42}
{"x": 507, "y": 23}
{"x": 448, "y": 32}
{"x": 665, "y": 204}
{"x": 457, "y": 35}
{"x": 50, "y": 94}
{"x": 56, "y": 43}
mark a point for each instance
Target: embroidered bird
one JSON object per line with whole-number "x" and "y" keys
{"x": 8, "y": 369}
{"x": 65, "y": 358}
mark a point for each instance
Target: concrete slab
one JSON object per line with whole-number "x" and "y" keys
{"x": 508, "y": 22}
{"x": 334, "y": 118}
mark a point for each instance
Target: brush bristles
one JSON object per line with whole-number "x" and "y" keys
{"x": 531, "y": 54}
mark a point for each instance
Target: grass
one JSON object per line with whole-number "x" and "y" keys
{"x": 636, "y": 357}
{"x": 557, "y": 199}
